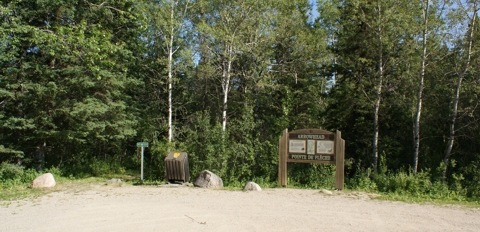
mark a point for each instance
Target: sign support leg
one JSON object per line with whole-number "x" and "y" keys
{"x": 282, "y": 159}
{"x": 339, "y": 161}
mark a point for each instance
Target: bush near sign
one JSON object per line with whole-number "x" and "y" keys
{"x": 311, "y": 146}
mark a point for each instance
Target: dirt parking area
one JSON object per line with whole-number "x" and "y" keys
{"x": 141, "y": 208}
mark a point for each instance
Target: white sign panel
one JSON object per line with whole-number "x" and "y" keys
{"x": 324, "y": 147}
{"x": 311, "y": 147}
{"x": 296, "y": 146}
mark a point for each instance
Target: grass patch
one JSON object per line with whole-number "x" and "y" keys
{"x": 16, "y": 191}
{"x": 423, "y": 199}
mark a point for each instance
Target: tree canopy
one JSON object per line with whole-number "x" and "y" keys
{"x": 82, "y": 81}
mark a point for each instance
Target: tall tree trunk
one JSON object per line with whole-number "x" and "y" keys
{"x": 226, "y": 85}
{"x": 379, "y": 91}
{"x": 170, "y": 89}
{"x": 170, "y": 74}
{"x": 174, "y": 26}
{"x": 416, "y": 135}
{"x": 461, "y": 74}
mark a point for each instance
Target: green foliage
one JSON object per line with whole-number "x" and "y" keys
{"x": 56, "y": 171}
{"x": 206, "y": 146}
{"x": 14, "y": 176}
{"x": 30, "y": 174}
{"x": 82, "y": 81}
{"x": 64, "y": 77}
{"x": 405, "y": 183}
{"x": 471, "y": 181}
{"x": 10, "y": 172}
{"x": 100, "y": 167}
{"x": 362, "y": 180}
{"x": 154, "y": 163}
{"x": 235, "y": 155}
{"x": 312, "y": 176}
{"x": 13, "y": 154}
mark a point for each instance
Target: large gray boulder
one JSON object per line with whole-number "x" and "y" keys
{"x": 44, "y": 181}
{"x": 252, "y": 186}
{"x": 207, "y": 179}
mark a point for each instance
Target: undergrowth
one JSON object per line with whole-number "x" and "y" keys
{"x": 399, "y": 186}
{"x": 15, "y": 181}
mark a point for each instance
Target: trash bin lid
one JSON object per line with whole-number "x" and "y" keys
{"x": 176, "y": 155}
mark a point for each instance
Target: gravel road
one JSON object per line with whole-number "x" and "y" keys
{"x": 141, "y": 208}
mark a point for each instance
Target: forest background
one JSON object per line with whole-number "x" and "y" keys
{"x": 81, "y": 82}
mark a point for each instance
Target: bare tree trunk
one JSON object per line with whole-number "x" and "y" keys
{"x": 416, "y": 135}
{"x": 169, "y": 38}
{"x": 170, "y": 74}
{"x": 226, "y": 86}
{"x": 170, "y": 89}
{"x": 379, "y": 92}
{"x": 461, "y": 74}
{"x": 173, "y": 30}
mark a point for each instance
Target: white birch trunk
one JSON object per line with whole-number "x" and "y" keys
{"x": 379, "y": 92}
{"x": 456, "y": 99}
{"x": 416, "y": 135}
{"x": 226, "y": 86}
{"x": 170, "y": 75}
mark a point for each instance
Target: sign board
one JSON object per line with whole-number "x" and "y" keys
{"x": 142, "y": 144}
{"x": 311, "y": 146}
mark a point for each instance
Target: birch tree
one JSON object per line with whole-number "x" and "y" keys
{"x": 371, "y": 42}
{"x": 416, "y": 136}
{"x": 428, "y": 32}
{"x": 379, "y": 86}
{"x": 462, "y": 67}
{"x": 227, "y": 24}
{"x": 169, "y": 21}
{"x": 380, "y": 22}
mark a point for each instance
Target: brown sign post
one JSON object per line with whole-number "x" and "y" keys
{"x": 311, "y": 146}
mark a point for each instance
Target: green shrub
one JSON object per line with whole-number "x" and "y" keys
{"x": 54, "y": 170}
{"x": 10, "y": 171}
{"x": 154, "y": 167}
{"x": 362, "y": 180}
{"x": 312, "y": 175}
{"x": 29, "y": 175}
{"x": 404, "y": 182}
{"x": 12, "y": 175}
{"x": 471, "y": 181}
{"x": 100, "y": 167}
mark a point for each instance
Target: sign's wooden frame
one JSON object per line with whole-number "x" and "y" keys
{"x": 311, "y": 153}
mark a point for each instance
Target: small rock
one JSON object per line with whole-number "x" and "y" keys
{"x": 44, "y": 181}
{"x": 207, "y": 179}
{"x": 252, "y": 186}
{"x": 324, "y": 191}
{"x": 114, "y": 181}
{"x": 169, "y": 184}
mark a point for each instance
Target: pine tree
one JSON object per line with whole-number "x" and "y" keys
{"x": 65, "y": 69}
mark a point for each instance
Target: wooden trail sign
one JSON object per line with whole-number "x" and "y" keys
{"x": 311, "y": 146}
